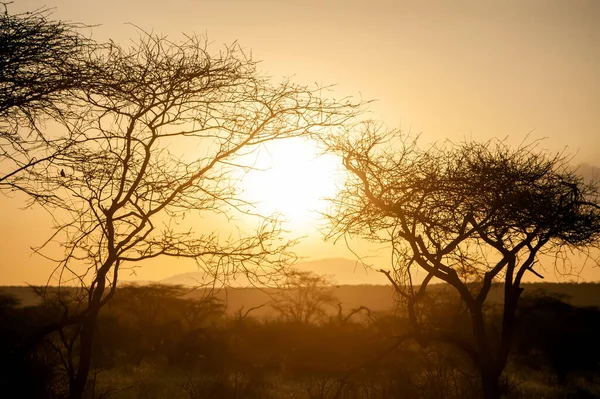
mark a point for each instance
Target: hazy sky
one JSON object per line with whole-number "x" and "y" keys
{"x": 448, "y": 69}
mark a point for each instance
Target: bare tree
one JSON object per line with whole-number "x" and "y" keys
{"x": 304, "y": 297}
{"x": 42, "y": 62}
{"x": 467, "y": 214}
{"x": 153, "y": 166}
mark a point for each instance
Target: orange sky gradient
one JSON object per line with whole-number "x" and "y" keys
{"x": 448, "y": 70}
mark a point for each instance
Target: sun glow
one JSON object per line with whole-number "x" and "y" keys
{"x": 292, "y": 179}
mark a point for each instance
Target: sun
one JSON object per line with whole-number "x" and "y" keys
{"x": 291, "y": 178}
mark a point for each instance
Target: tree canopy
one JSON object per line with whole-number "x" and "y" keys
{"x": 468, "y": 214}
{"x": 42, "y": 64}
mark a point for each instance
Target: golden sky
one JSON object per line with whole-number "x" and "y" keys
{"x": 446, "y": 69}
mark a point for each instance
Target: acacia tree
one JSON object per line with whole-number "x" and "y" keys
{"x": 160, "y": 318}
{"x": 158, "y": 137}
{"x": 467, "y": 214}
{"x": 41, "y": 65}
{"x": 304, "y": 297}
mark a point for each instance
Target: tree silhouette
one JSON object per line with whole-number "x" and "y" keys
{"x": 42, "y": 63}
{"x": 152, "y": 168}
{"x": 304, "y": 297}
{"x": 546, "y": 319}
{"x": 159, "y": 319}
{"x": 467, "y": 214}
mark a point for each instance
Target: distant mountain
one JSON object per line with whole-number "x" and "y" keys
{"x": 341, "y": 270}
{"x": 191, "y": 278}
{"x": 590, "y": 173}
{"x": 344, "y": 271}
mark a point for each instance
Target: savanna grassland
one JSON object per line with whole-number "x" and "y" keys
{"x": 160, "y": 341}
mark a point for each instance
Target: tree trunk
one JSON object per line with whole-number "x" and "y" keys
{"x": 86, "y": 339}
{"x": 487, "y": 364}
{"x": 490, "y": 384}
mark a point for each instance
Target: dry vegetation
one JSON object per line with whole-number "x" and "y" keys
{"x": 167, "y": 342}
